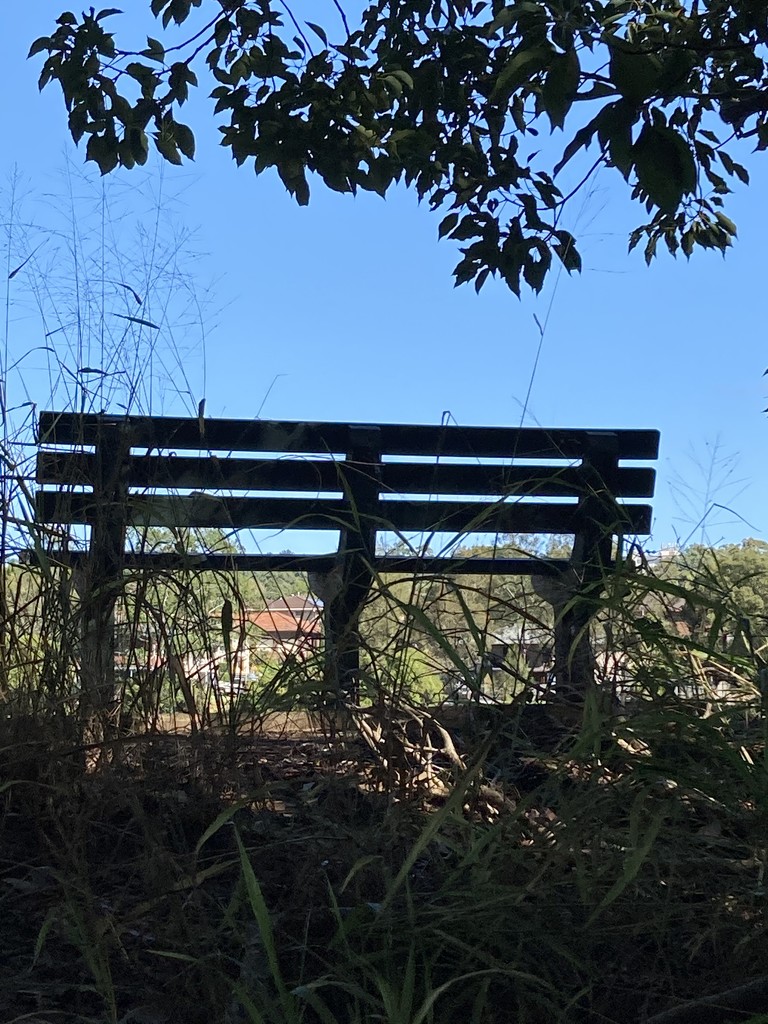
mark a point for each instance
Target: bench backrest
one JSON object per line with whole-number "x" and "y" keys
{"x": 111, "y": 472}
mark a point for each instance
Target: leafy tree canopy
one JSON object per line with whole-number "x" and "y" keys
{"x": 738, "y": 573}
{"x": 448, "y": 96}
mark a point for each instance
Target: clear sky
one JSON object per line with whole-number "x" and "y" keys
{"x": 346, "y": 309}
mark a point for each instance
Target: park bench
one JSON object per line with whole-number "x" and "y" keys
{"x": 117, "y": 474}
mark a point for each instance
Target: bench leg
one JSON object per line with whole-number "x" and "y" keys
{"x": 574, "y": 660}
{"x": 101, "y": 585}
{"x": 342, "y": 638}
{"x": 97, "y": 658}
{"x": 360, "y": 480}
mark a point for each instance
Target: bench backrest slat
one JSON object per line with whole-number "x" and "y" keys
{"x": 113, "y": 472}
{"x": 204, "y": 510}
{"x": 313, "y": 475}
{"x": 163, "y": 432}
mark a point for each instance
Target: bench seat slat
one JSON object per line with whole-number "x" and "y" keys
{"x": 206, "y": 473}
{"x": 204, "y": 510}
{"x": 160, "y": 432}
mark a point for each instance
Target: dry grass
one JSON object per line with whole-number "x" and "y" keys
{"x": 279, "y": 860}
{"x": 270, "y": 879}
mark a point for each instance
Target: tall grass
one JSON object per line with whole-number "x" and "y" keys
{"x": 487, "y": 861}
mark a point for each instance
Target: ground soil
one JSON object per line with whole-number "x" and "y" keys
{"x": 121, "y": 889}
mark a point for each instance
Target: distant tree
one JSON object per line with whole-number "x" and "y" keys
{"x": 259, "y": 587}
{"x": 444, "y": 96}
{"x": 212, "y": 540}
{"x": 734, "y": 578}
{"x": 186, "y": 541}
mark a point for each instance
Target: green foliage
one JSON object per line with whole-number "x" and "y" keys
{"x": 734, "y": 579}
{"x": 441, "y": 97}
{"x": 410, "y": 674}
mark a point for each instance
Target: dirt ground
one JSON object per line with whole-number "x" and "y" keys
{"x": 122, "y": 895}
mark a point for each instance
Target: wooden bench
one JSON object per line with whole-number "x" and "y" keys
{"x": 114, "y": 472}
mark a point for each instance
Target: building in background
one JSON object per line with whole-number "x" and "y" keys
{"x": 288, "y": 626}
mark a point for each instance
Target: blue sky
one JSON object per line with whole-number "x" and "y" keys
{"x": 346, "y": 309}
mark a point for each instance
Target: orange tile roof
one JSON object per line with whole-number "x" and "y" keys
{"x": 286, "y": 623}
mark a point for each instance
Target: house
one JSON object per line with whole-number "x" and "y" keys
{"x": 289, "y": 626}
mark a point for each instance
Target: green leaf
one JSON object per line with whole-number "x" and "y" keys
{"x": 481, "y": 278}
{"x": 169, "y": 954}
{"x": 125, "y": 156}
{"x": 636, "y": 75}
{"x": 642, "y": 844}
{"x": 514, "y": 12}
{"x": 103, "y": 151}
{"x": 167, "y": 148}
{"x": 296, "y": 183}
{"x": 260, "y": 911}
{"x": 222, "y": 30}
{"x": 519, "y": 69}
{"x": 403, "y": 77}
{"x": 517, "y": 110}
{"x": 139, "y": 144}
{"x": 447, "y": 224}
{"x": 732, "y": 167}
{"x": 222, "y": 819}
{"x": 122, "y": 111}
{"x": 535, "y": 270}
{"x": 394, "y": 84}
{"x": 741, "y": 173}
{"x": 319, "y": 31}
{"x": 468, "y": 228}
{"x": 726, "y": 223}
{"x": 567, "y": 252}
{"x": 615, "y": 134}
{"x": 580, "y": 140}
{"x": 179, "y": 11}
{"x": 179, "y": 80}
{"x": 43, "y": 43}
{"x": 620, "y": 149}
{"x": 155, "y": 50}
{"x": 599, "y": 91}
{"x": 560, "y": 87}
{"x": 650, "y": 249}
{"x": 185, "y": 140}
{"x": 107, "y": 13}
{"x": 664, "y": 165}
{"x": 141, "y": 73}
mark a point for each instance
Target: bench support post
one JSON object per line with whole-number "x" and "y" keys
{"x": 575, "y": 595}
{"x": 361, "y": 477}
{"x": 100, "y": 585}
{"x": 574, "y": 669}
